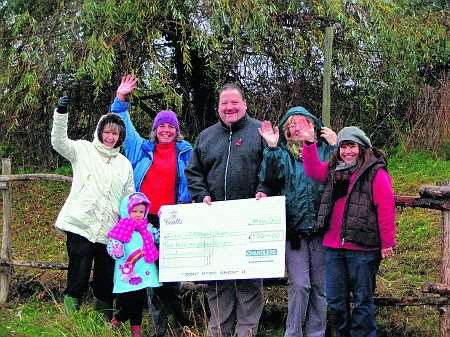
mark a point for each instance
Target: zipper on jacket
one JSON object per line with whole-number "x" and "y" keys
{"x": 177, "y": 178}
{"x": 150, "y": 155}
{"x": 226, "y": 165}
{"x": 177, "y": 175}
{"x": 342, "y": 232}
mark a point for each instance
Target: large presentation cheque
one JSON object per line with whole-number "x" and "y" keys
{"x": 234, "y": 239}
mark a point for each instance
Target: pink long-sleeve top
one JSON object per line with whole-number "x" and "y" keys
{"x": 383, "y": 198}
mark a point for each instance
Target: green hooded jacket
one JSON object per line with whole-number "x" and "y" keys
{"x": 285, "y": 174}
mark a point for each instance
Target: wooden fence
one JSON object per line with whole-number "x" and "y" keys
{"x": 431, "y": 197}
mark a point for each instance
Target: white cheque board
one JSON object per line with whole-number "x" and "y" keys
{"x": 236, "y": 239}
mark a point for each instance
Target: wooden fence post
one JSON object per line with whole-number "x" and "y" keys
{"x": 5, "y": 252}
{"x": 444, "y": 322}
{"x": 328, "y": 55}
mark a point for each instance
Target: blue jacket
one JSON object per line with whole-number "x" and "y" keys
{"x": 139, "y": 152}
{"x": 131, "y": 272}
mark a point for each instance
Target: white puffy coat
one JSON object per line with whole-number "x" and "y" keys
{"x": 101, "y": 178}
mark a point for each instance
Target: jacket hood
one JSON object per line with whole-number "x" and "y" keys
{"x": 301, "y": 111}
{"x": 114, "y": 119}
{"x": 131, "y": 200}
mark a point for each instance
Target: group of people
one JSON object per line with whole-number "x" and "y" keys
{"x": 340, "y": 214}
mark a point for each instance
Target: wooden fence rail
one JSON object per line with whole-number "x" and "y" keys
{"x": 431, "y": 197}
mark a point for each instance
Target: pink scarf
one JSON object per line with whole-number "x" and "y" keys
{"x": 124, "y": 229}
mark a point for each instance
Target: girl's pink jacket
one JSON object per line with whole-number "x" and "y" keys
{"x": 383, "y": 198}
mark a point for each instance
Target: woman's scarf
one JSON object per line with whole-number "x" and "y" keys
{"x": 106, "y": 152}
{"x": 295, "y": 148}
{"x": 124, "y": 229}
{"x": 342, "y": 175}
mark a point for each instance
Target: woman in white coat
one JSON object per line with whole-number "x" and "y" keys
{"x": 101, "y": 178}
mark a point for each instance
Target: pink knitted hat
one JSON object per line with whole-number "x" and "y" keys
{"x": 138, "y": 198}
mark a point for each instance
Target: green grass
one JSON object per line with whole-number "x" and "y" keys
{"x": 418, "y": 252}
{"x": 417, "y": 260}
{"x": 32, "y": 319}
{"x": 35, "y": 208}
{"x": 64, "y": 170}
{"x": 38, "y": 318}
{"x": 411, "y": 170}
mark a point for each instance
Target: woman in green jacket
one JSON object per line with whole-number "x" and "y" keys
{"x": 282, "y": 169}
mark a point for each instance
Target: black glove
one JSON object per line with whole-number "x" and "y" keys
{"x": 62, "y": 104}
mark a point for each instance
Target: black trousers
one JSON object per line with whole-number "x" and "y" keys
{"x": 82, "y": 253}
{"x": 130, "y": 306}
{"x": 165, "y": 300}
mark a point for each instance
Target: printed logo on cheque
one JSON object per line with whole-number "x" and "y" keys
{"x": 173, "y": 218}
{"x": 261, "y": 252}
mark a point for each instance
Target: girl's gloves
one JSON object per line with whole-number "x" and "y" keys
{"x": 63, "y": 102}
{"x": 156, "y": 235}
{"x": 115, "y": 249}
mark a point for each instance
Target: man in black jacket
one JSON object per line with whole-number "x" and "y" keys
{"x": 224, "y": 166}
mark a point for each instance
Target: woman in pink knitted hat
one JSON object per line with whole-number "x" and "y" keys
{"x": 132, "y": 245}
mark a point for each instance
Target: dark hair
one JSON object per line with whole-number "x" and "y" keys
{"x": 363, "y": 157}
{"x": 232, "y": 86}
{"x": 111, "y": 118}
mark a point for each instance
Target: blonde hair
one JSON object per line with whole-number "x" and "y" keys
{"x": 290, "y": 121}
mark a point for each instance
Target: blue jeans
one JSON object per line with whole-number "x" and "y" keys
{"x": 352, "y": 272}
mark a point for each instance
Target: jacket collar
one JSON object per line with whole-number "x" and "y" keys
{"x": 181, "y": 146}
{"x": 237, "y": 125}
{"x": 375, "y": 159}
{"x": 105, "y": 151}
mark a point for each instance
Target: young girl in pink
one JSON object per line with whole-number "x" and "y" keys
{"x": 358, "y": 209}
{"x": 133, "y": 247}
